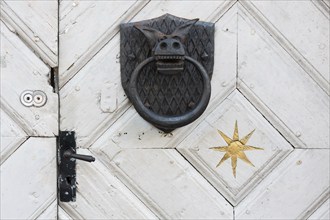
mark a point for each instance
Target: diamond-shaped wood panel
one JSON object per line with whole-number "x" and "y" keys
{"x": 196, "y": 147}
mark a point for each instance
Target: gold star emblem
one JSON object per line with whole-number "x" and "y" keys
{"x": 235, "y": 148}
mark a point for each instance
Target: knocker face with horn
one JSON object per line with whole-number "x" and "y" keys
{"x": 168, "y": 49}
{"x": 165, "y": 93}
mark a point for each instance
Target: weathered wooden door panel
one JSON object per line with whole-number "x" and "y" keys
{"x": 28, "y": 143}
{"x": 235, "y": 107}
{"x": 168, "y": 184}
{"x": 102, "y": 196}
{"x": 12, "y": 136}
{"x": 270, "y": 97}
{"x": 294, "y": 190}
{"x": 99, "y": 83}
{"x": 270, "y": 74}
{"x": 322, "y": 212}
{"x": 302, "y": 28}
{"x": 100, "y": 78}
{"x": 278, "y": 88}
{"x": 75, "y": 20}
{"x": 28, "y": 180}
{"x": 36, "y": 23}
{"x": 23, "y": 70}
{"x": 271, "y": 77}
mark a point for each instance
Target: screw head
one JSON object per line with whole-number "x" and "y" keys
{"x": 27, "y": 98}
{"x": 39, "y": 98}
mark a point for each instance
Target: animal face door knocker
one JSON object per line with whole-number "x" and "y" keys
{"x": 166, "y": 67}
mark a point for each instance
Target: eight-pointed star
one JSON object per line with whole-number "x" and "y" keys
{"x": 235, "y": 148}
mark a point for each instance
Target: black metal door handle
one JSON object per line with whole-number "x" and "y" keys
{"x": 70, "y": 154}
{"x": 168, "y": 123}
{"x": 67, "y": 165}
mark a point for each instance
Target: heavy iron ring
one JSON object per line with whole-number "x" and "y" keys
{"x": 169, "y": 123}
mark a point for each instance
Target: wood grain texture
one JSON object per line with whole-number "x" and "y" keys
{"x": 78, "y": 18}
{"x": 196, "y": 147}
{"x": 49, "y": 213}
{"x": 28, "y": 179}
{"x": 82, "y": 95}
{"x": 323, "y": 7}
{"x": 327, "y": 2}
{"x": 12, "y": 136}
{"x": 167, "y": 184}
{"x": 36, "y": 23}
{"x": 100, "y": 195}
{"x": 204, "y": 10}
{"x": 310, "y": 48}
{"x": 22, "y": 70}
{"x": 294, "y": 190}
{"x": 322, "y": 213}
{"x": 288, "y": 96}
{"x": 304, "y": 18}
{"x": 62, "y": 215}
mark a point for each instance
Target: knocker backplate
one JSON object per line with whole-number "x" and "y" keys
{"x": 167, "y": 94}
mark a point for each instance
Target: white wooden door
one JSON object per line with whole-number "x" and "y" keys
{"x": 28, "y": 143}
{"x": 271, "y": 74}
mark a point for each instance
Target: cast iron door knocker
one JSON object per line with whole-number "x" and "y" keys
{"x": 166, "y": 68}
